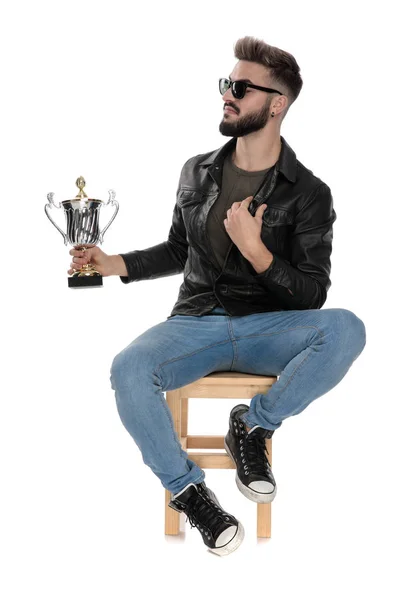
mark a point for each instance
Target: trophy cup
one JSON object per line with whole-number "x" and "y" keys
{"x": 82, "y": 217}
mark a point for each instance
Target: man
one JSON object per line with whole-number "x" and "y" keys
{"x": 252, "y": 233}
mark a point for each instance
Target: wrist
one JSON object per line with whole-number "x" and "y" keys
{"x": 117, "y": 266}
{"x": 260, "y": 258}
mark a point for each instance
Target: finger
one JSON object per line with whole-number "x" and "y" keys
{"x": 73, "y": 268}
{"x": 77, "y": 252}
{"x": 261, "y": 209}
{"x": 236, "y": 204}
{"x": 78, "y": 262}
{"x": 246, "y": 202}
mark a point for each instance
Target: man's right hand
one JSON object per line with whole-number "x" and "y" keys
{"x": 105, "y": 264}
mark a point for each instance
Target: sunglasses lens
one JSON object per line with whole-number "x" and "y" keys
{"x": 238, "y": 89}
{"x": 223, "y": 86}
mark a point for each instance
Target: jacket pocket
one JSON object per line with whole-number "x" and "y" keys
{"x": 189, "y": 197}
{"x": 277, "y": 225}
{"x": 277, "y": 217}
{"x": 188, "y": 201}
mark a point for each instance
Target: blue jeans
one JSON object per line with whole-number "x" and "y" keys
{"x": 310, "y": 350}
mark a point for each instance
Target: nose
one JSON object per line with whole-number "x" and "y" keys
{"x": 228, "y": 96}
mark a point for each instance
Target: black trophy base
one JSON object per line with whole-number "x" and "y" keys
{"x": 85, "y": 281}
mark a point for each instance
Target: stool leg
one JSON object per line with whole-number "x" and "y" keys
{"x": 264, "y": 520}
{"x": 172, "y": 517}
{"x": 184, "y": 416}
{"x": 264, "y": 510}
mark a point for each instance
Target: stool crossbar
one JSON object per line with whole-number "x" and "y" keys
{"x": 220, "y": 384}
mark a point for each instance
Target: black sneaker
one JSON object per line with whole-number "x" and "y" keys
{"x": 221, "y": 532}
{"x": 247, "y": 449}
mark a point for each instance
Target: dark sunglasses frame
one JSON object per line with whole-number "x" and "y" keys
{"x": 244, "y": 85}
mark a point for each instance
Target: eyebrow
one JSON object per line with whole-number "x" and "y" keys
{"x": 246, "y": 80}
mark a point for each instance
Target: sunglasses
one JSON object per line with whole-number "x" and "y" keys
{"x": 239, "y": 87}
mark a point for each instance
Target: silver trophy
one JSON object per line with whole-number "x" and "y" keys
{"x": 82, "y": 218}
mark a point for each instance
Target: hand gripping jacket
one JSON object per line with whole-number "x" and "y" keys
{"x": 297, "y": 228}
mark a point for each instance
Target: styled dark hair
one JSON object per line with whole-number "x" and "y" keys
{"x": 282, "y": 66}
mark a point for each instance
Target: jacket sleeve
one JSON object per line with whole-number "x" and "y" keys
{"x": 303, "y": 283}
{"x": 167, "y": 258}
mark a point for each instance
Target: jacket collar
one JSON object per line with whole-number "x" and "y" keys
{"x": 287, "y": 162}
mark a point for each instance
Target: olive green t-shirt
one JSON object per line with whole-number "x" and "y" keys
{"x": 237, "y": 185}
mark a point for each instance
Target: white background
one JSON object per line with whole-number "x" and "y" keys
{"x": 124, "y": 94}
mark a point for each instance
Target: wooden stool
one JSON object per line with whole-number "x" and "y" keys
{"x": 222, "y": 384}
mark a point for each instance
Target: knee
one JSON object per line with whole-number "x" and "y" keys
{"x": 131, "y": 365}
{"x": 353, "y": 330}
{"x": 122, "y": 369}
{"x": 117, "y": 370}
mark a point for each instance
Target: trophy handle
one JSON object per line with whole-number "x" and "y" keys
{"x": 47, "y": 206}
{"x": 111, "y": 200}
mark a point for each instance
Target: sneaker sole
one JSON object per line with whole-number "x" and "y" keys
{"x": 232, "y": 545}
{"x": 251, "y": 494}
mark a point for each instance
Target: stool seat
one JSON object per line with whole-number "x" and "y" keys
{"x": 219, "y": 384}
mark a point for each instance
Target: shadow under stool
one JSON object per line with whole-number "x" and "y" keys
{"x": 221, "y": 384}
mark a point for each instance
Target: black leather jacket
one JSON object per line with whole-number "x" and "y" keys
{"x": 297, "y": 229}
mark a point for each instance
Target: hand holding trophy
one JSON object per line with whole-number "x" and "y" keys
{"x": 83, "y": 231}
{"x": 92, "y": 254}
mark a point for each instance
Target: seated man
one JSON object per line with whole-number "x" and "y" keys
{"x": 252, "y": 232}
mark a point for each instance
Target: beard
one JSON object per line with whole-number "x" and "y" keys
{"x": 236, "y": 126}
